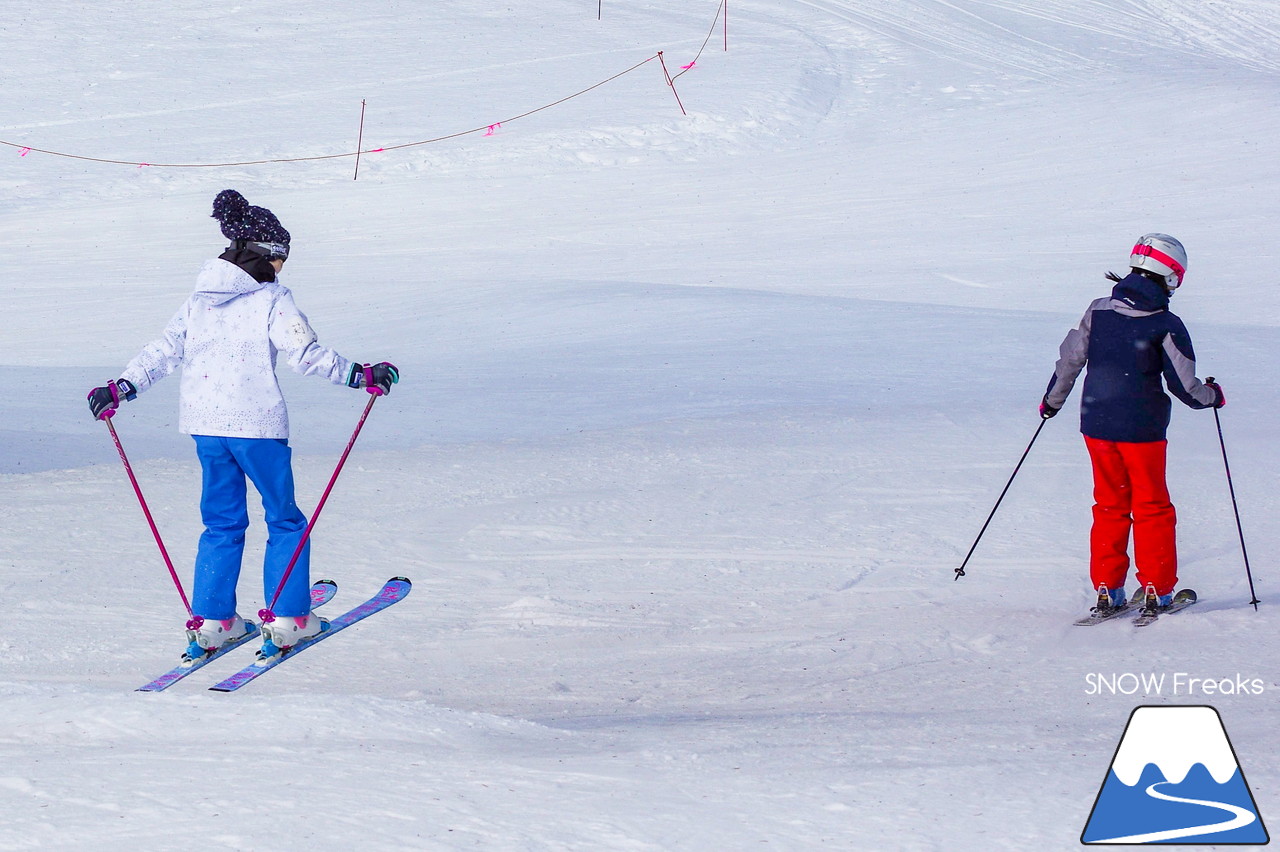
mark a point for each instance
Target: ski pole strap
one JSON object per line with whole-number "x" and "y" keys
{"x": 110, "y": 410}
{"x": 368, "y": 381}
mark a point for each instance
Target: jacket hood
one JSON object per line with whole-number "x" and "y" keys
{"x": 220, "y": 281}
{"x": 1141, "y": 293}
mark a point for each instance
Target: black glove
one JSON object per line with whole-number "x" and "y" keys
{"x": 377, "y": 379}
{"x": 1217, "y": 389}
{"x": 1046, "y": 410}
{"x": 104, "y": 401}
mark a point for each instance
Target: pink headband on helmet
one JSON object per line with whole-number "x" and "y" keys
{"x": 1154, "y": 253}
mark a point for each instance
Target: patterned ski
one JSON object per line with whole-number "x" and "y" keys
{"x": 395, "y": 590}
{"x": 322, "y": 591}
{"x": 1181, "y": 600}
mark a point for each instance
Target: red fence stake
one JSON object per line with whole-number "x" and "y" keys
{"x": 671, "y": 82}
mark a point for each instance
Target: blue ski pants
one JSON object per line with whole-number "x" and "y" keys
{"x": 266, "y": 462}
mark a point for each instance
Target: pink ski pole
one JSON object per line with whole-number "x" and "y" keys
{"x": 267, "y": 615}
{"x": 195, "y": 621}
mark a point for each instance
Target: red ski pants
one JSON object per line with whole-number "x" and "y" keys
{"x": 1129, "y": 492}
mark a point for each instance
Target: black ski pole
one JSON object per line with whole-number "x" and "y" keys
{"x": 1234, "y": 507}
{"x": 960, "y": 570}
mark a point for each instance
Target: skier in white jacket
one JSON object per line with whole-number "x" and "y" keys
{"x": 226, "y": 337}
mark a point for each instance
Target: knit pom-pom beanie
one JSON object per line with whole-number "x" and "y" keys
{"x": 241, "y": 221}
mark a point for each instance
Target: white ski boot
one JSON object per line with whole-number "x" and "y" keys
{"x": 281, "y": 635}
{"x": 213, "y": 634}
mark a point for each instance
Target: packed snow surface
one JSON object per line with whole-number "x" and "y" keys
{"x": 708, "y": 389}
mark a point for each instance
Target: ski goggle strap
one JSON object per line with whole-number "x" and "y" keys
{"x": 1157, "y": 255}
{"x": 269, "y": 250}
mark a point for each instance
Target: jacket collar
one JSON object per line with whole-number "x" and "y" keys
{"x": 252, "y": 262}
{"x": 1141, "y": 294}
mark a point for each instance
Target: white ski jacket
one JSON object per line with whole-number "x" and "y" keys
{"x": 226, "y": 338}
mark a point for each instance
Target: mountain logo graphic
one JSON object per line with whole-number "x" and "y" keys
{"x": 1175, "y": 779}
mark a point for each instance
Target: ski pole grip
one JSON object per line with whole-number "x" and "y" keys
{"x": 368, "y": 381}
{"x": 110, "y": 411}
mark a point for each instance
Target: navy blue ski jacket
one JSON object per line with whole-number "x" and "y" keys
{"x": 1129, "y": 341}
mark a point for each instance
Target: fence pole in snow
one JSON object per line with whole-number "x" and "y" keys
{"x": 960, "y": 570}
{"x": 359, "y": 140}
{"x": 671, "y": 83}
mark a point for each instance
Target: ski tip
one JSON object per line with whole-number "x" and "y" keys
{"x": 404, "y": 580}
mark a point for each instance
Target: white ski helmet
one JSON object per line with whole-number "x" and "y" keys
{"x": 1163, "y": 255}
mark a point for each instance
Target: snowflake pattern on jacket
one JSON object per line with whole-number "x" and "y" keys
{"x": 226, "y": 337}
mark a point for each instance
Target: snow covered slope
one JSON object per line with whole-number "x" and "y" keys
{"x": 699, "y": 413}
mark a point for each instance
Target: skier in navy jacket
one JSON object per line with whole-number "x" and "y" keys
{"x": 1130, "y": 341}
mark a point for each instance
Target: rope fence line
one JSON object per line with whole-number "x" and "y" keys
{"x": 487, "y": 129}
{"x": 722, "y": 8}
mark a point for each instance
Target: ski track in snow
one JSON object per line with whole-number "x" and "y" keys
{"x": 698, "y": 416}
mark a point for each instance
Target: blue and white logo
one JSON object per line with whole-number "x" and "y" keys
{"x": 1175, "y": 779}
